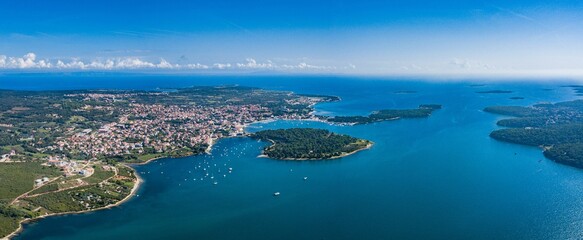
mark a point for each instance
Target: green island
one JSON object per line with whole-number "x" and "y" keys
{"x": 556, "y": 128}
{"x": 405, "y": 92}
{"x": 577, "y": 88}
{"x": 423, "y": 111}
{"x": 309, "y": 144}
{"x": 495, "y": 92}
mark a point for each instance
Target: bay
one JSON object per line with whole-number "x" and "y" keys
{"x": 435, "y": 178}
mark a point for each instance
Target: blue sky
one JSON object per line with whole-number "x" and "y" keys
{"x": 498, "y": 38}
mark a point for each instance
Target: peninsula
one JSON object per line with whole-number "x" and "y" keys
{"x": 423, "y": 111}
{"x": 309, "y": 144}
{"x": 556, "y": 128}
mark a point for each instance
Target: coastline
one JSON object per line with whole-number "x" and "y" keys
{"x": 368, "y": 146}
{"x": 132, "y": 193}
{"x": 139, "y": 179}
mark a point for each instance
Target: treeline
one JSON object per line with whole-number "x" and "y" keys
{"x": 12, "y": 212}
{"x": 548, "y": 136}
{"x": 515, "y": 111}
{"x": 569, "y": 154}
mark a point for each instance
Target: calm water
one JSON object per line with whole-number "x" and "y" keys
{"x": 435, "y": 178}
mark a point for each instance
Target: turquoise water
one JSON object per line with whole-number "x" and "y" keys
{"x": 435, "y": 178}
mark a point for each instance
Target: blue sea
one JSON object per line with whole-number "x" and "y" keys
{"x": 437, "y": 178}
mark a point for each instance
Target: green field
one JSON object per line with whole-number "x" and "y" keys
{"x": 18, "y": 178}
{"x": 99, "y": 175}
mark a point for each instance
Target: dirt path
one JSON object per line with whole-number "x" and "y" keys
{"x": 34, "y": 188}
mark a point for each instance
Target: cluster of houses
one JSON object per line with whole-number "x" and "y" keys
{"x": 41, "y": 181}
{"x": 163, "y": 128}
{"x": 147, "y": 128}
{"x": 6, "y": 157}
{"x": 69, "y": 167}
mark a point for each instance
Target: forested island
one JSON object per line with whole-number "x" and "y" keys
{"x": 495, "y": 92}
{"x": 577, "y": 88}
{"x": 556, "y": 128}
{"x": 516, "y": 98}
{"x": 309, "y": 144}
{"x": 424, "y": 110}
{"x": 405, "y": 92}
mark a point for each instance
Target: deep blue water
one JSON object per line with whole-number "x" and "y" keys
{"x": 435, "y": 178}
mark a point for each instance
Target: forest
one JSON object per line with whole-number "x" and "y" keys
{"x": 308, "y": 143}
{"x": 557, "y": 128}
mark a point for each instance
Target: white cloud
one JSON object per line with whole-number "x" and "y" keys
{"x": 306, "y": 66}
{"x": 413, "y": 67}
{"x": 196, "y": 66}
{"x": 222, "y": 65}
{"x": 468, "y": 64}
{"x": 252, "y": 64}
{"x": 24, "y": 62}
{"x": 30, "y": 61}
{"x": 165, "y": 64}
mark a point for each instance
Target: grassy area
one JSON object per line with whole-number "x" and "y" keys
{"x": 124, "y": 171}
{"x": 45, "y": 188}
{"x": 147, "y": 157}
{"x": 17, "y": 148}
{"x": 83, "y": 198}
{"x": 99, "y": 175}
{"x": 76, "y": 119}
{"x": 56, "y": 202}
{"x": 18, "y": 178}
{"x": 69, "y": 183}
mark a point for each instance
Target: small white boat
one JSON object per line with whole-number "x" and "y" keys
{"x": 305, "y": 178}
{"x": 276, "y": 194}
{"x": 215, "y": 183}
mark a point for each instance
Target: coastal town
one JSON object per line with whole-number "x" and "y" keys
{"x": 68, "y": 149}
{"x": 157, "y": 128}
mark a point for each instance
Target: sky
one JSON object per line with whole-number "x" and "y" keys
{"x": 429, "y": 38}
